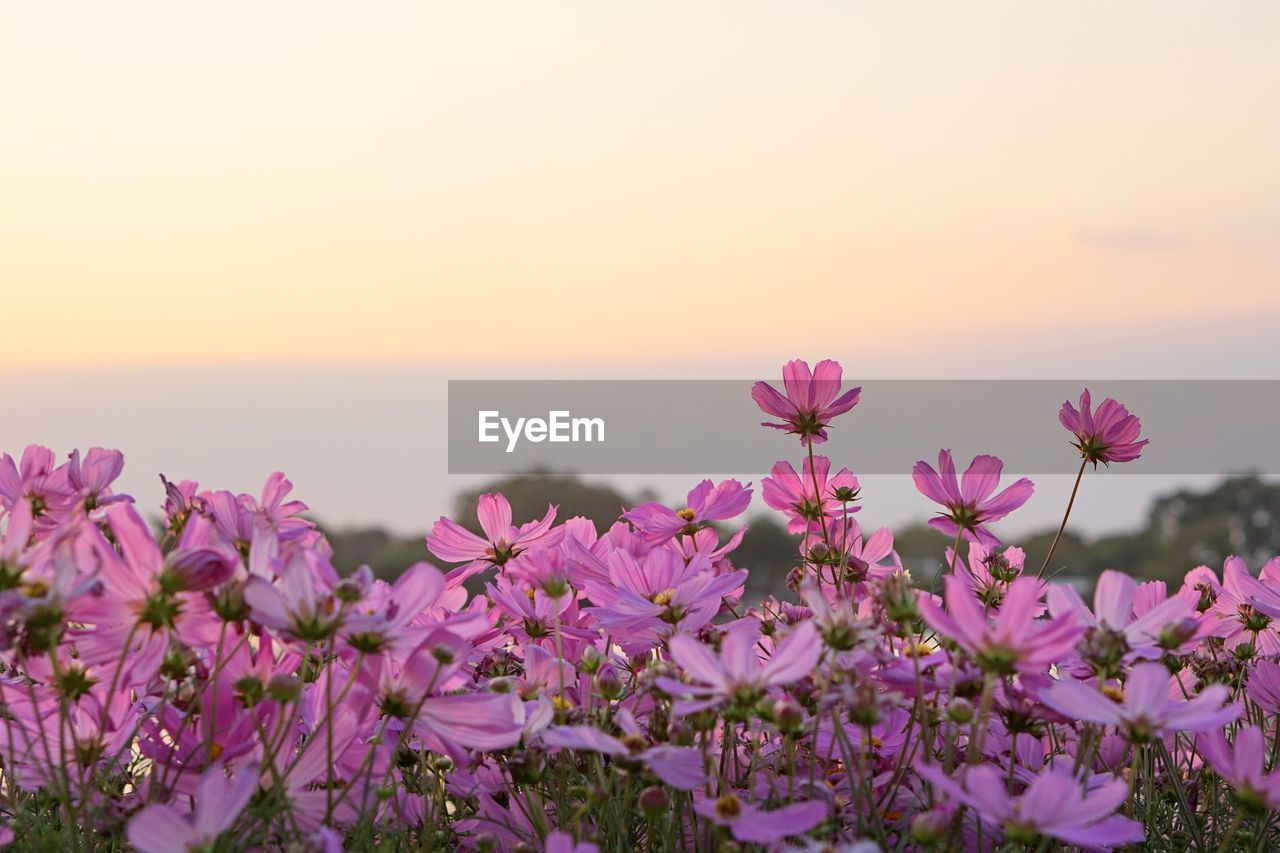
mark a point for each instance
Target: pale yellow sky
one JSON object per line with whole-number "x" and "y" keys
{"x": 524, "y": 181}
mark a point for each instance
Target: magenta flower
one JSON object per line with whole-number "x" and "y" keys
{"x": 1108, "y": 435}
{"x": 1146, "y": 709}
{"x": 36, "y": 480}
{"x": 302, "y": 604}
{"x": 987, "y": 570}
{"x": 753, "y": 825}
{"x": 453, "y": 543}
{"x": 706, "y": 502}
{"x": 812, "y": 400}
{"x": 161, "y": 828}
{"x": 1264, "y": 686}
{"x": 1244, "y": 766}
{"x": 1244, "y": 607}
{"x": 1116, "y": 632}
{"x": 737, "y": 674}
{"x": 810, "y": 498}
{"x": 971, "y": 503}
{"x": 1053, "y": 805}
{"x": 139, "y": 594}
{"x": 649, "y": 597}
{"x": 447, "y": 723}
{"x": 1014, "y": 640}
{"x": 91, "y": 478}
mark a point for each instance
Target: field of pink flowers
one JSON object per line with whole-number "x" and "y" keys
{"x": 216, "y": 685}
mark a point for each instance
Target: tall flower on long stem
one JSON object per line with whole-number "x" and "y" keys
{"x": 812, "y": 401}
{"x": 1108, "y": 435}
{"x": 970, "y": 502}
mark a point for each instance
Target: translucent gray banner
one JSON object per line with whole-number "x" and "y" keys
{"x": 713, "y": 427}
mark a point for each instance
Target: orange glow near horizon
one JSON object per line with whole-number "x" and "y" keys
{"x": 313, "y": 182}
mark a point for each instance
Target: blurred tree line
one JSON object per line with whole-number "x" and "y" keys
{"x": 1183, "y": 529}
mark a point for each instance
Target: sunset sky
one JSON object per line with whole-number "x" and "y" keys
{"x": 572, "y": 189}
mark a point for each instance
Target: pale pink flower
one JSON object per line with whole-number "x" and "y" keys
{"x": 705, "y": 503}
{"x": 453, "y": 543}
{"x": 812, "y": 498}
{"x": 1012, "y": 640}
{"x": 1052, "y": 806}
{"x": 812, "y": 400}
{"x": 737, "y": 673}
{"x": 162, "y": 828}
{"x": 971, "y": 502}
{"x": 751, "y": 824}
{"x": 1108, "y": 435}
{"x": 1147, "y": 708}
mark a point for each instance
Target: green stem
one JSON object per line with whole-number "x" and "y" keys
{"x": 1062, "y": 527}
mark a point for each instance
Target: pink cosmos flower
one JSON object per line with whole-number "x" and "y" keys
{"x": 1146, "y": 708}
{"x": 161, "y": 828}
{"x": 751, "y": 824}
{"x": 987, "y": 570}
{"x": 647, "y": 598}
{"x": 36, "y": 480}
{"x": 408, "y": 691}
{"x": 1244, "y": 607}
{"x": 238, "y": 515}
{"x": 1116, "y": 633}
{"x": 1053, "y": 805}
{"x": 453, "y": 543}
{"x": 705, "y": 503}
{"x": 91, "y": 478}
{"x": 302, "y": 604}
{"x": 1014, "y": 640}
{"x": 737, "y": 672}
{"x": 1243, "y": 764}
{"x": 812, "y": 400}
{"x": 1108, "y": 435}
{"x": 382, "y": 618}
{"x": 140, "y": 598}
{"x": 1264, "y": 686}
{"x": 970, "y": 503}
{"x": 810, "y": 498}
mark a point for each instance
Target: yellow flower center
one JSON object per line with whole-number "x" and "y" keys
{"x": 728, "y": 807}
{"x": 662, "y": 599}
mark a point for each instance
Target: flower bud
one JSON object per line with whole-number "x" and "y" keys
{"x": 1176, "y": 633}
{"x": 556, "y": 587}
{"x": 930, "y": 827}
{"x": 591, "y": 660}
{"x": 1104, "y": 647}
{"x": 251, "y": 690}
{"x": 654, "y": 801}
{"x": 607, "y": 682}
{"x": 960, "y": 710}
{"x": 353, "y": 589}
{"x": 284, "y": 688}
{"x": 898, "y": 598}
{"x": 196, "y": 569}
{"x": 680, "y": 733}
{"x": 228, "y": 602}
{"x": 865, "y": 707}
{"x": 788, "y": 716}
